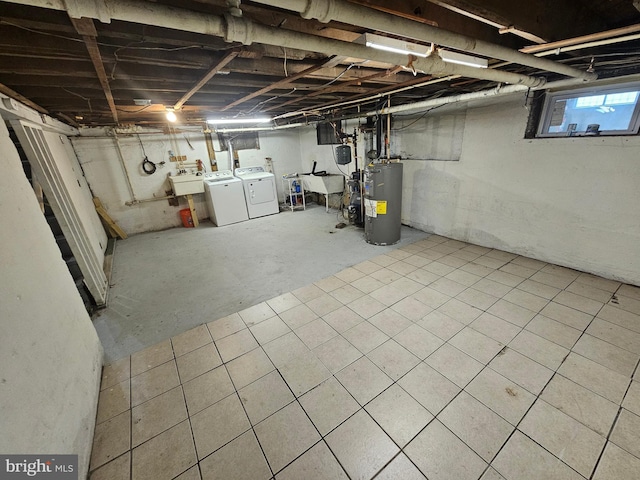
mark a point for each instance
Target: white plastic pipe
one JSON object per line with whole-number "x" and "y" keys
{"x": 260, "y": 129}
{"x": 354, "y": 14}
{"x": 423, "y": 105}
{"x": 463, "y": 97}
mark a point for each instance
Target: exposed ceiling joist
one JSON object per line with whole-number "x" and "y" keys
{"x": 336, "y": 88}
{"x": 13, "y": 94}
{"x": 279, "y": 84}
{"x": 499, "y": 22}
{"x": 86, "y": 28}
{"x": 208, "y": 76}
{"x": 160, "y": 49}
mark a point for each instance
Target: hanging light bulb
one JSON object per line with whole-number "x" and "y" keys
{"x": 171, "y": 115}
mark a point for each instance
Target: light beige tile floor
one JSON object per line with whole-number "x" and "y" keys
{"x": 438, "y": 360}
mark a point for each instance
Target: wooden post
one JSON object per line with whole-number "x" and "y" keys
{"x": 212, "y": 153}
{"x": 192, "y": 208}
{"x": 113, "y": 227}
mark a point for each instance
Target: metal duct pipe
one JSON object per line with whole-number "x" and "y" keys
{"x": 345, "y": 12}
{"x": 133, "y": 11}
{"x": 240, "y": 29}
{"x": 244, "y": 31}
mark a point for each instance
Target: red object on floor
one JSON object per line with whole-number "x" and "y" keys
{"x": 185, "y": 215}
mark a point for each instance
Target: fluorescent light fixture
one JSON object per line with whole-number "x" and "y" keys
{"x": 171, "y": 115}
{"x": 393, "y": 45}
{"x": 462, "y": 59}
{"x": 229, "y": 121}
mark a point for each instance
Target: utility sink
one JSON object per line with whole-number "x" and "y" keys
{"x": 323, "y": 183}
{"x": 187, "y": 184}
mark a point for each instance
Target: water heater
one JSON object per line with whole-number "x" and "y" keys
{"x": 383, "y": 203}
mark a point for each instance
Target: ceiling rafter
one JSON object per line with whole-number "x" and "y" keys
{"x": 494, "y": 20}
{"x": 86, "y": 28}
{"x": 280, "y": 83}
{"x": 382, "y": 90}
{"x": 44, "y": 60}
{"x": 208, "y": 76}
{"x": 13, "y": 94}
{"x": 337, "y": 88}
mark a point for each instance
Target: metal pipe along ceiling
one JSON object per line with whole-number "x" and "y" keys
{"x": 341, "y": 11}
{"x": 240, "y": 29}
{"x": 433, "y": 102}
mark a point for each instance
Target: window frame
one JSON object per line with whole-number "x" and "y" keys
{"x": 552, "y": 97}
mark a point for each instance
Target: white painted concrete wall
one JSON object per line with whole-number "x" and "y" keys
{"x": 436, "y": 137}
{"x": 50, "y": 355}
{"x": 325, "y": 154}
{"x": 105, "y": 174}
{"x": 570, "y": 201}
{"x": 283, "y": 146}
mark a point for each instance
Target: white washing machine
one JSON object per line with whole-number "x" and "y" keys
{"x": 225, "y": 198}
{"x": 259, "y": 191}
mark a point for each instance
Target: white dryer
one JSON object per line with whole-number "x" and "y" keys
{"x": 259, "y": 191}
{"x": 225, "y": 198}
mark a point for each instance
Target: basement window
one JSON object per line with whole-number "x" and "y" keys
{"x": 240, "y": 141}
{"x": 606, "y": 110}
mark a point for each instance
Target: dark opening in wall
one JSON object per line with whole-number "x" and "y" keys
{"x": 327, "y": 133}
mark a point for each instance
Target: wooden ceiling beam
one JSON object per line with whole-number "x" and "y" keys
{"x": 56, "y": 56}
{"x": 86, "y": 28}
{"x": 428, "y": 12}
{"x": 21, "y": 98}
{"x": 537, "y": 23}
{"x": 207, "y": 76}
{"x": 46, "y": 67}
{"x": 17, "y": 22}
{"x": 489, "y": 18}
{"x": 390, "y": 88}
{"x": 340, "y": 87}
{"x": 278, "y": 84}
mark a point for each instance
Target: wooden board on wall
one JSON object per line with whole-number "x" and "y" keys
{"x": 212, "y": 153}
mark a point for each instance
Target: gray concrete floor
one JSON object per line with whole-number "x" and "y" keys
{"x": 164, "y": 283}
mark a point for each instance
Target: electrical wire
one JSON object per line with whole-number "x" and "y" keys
{"x": 102, "y": 44}
{"x": 147, "y": 165}
{"x": 88, "y": 100}
{"x": 286, "y": 74}
{"x": 141, "y": 145}
{"x": 133, "y": 111}
{"x": 259, "y": 104}
{"x": 342, "y": 73}
{"x": 417, "y": 119}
